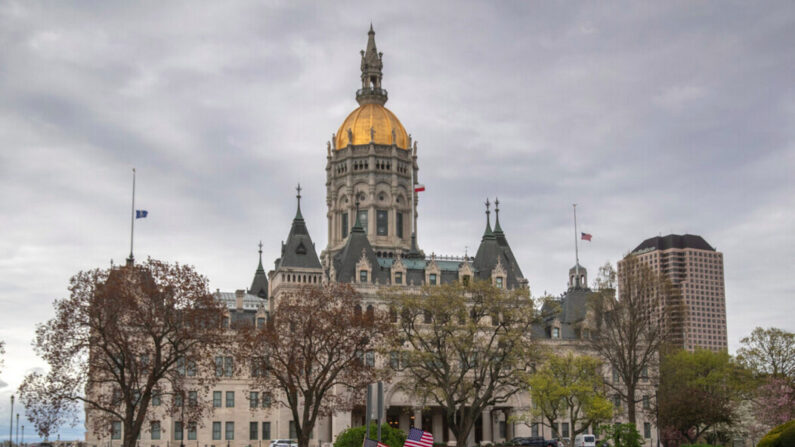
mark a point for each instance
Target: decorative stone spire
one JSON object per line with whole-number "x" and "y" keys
{"x": 259, "y": 285}
{"x": 298, "y": 214}
{"x": 488, "y": 234}
{"x": 371, "y": 91}
{"x": 357, "y": 224}
{"x": 497, "y": 228}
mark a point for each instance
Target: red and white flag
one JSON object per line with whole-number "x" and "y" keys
{"x": 373, "y": 443}
{"x": 418, "y": 438}
{"x": 586, "y": 237}
{"x": 418, "y": 188}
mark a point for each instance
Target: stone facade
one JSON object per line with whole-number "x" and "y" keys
{"x": 372, "y": 226}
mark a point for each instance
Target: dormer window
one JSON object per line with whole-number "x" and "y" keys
{"x": 555, "y": 332}
{"x": 465, "y": 280}
{"x": 499, "y": 282}
{"x": 432, "y": 279}
{"x": 363, "y": 276}
{"x": 398, "y": 277}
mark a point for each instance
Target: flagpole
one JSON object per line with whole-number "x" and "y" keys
{"x": 132, "y": 219}
{"x": 413, "y": 229}
{"x": 576, "y": 248}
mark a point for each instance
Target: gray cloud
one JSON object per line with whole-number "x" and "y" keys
{"x": 654, "y": 118}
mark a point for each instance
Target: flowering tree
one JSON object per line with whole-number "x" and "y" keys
{"x": 122, "y": 342}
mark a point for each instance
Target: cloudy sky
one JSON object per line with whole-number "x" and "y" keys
{"x": 654, "y": 118}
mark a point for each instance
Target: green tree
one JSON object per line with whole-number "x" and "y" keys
{"x": 573, "y": 386}
{"x": 769, "y": 352}
{"x": 698, "y": 391}
{"x": 622, "y": 435}
{"x": 464, "y": 347}
{"x": 354, "y": 437}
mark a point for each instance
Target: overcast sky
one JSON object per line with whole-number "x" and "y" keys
{"x": 654, "y": 117}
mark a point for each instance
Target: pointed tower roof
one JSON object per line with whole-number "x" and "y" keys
{"x": 357, "y": 246}
{"x": 259, "y": 285}
{"x": 299, "y": 250}
{"x": 488, "y": 252}
{"x": 513, "y": 266}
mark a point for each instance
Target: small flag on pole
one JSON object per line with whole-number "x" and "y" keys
{"x": 418, "y": 188}
{"x": 418, "y": 438}
{"x": 140, "y": 214}
{"x": 586, "y": 237}
{"x": 373, "y": 443}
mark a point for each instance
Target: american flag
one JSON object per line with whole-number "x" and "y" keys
{"x": 371, "y": 443}
{"x": 586, "y": 237}
{"x": 418, "y": 438}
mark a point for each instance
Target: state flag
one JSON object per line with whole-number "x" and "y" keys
{"x": 140, "y": 214}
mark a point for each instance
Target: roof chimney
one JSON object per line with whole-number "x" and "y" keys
{"x": 239, "y": 294}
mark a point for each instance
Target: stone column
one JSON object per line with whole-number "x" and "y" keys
{"x": 438, "y": 427}
{"x": 418, "y": 418}
{"x": 508, "y": 424}
{"x": 485, "y": 421}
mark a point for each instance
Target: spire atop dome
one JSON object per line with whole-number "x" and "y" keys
{"x": 371, "y": 91}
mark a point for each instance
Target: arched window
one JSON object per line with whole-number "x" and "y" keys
{"x": 370, "y": 312}
{"x": 357, "y": 312}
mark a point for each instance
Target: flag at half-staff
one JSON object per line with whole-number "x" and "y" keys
{"x": 418, "y": 438}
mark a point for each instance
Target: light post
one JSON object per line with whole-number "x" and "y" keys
{"x": 11, "y": 425}
{"x": 17, "y": 428}
{"x": 657, "y": 401}
{"x": 23, "y": 434}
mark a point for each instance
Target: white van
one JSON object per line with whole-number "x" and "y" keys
{"x": 585, "y": 440}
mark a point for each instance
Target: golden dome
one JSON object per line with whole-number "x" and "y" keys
{"x": 377, "y": 117}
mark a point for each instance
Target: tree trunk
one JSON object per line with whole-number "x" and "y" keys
{"x": 461, "y": 433}
{"x": 631, "y": 418}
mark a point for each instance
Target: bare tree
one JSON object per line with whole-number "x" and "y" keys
{"x": 317, "y": 352}
{"x": 125, "y": 340}
{"x": 631, "y": 330}
{"x": 465, "y": 348}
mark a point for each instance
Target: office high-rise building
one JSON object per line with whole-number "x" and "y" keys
{"x": 696, "y": 269}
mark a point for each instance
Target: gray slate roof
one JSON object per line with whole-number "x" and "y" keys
{"x": 259, "y": 285}
{"x": 299, "y": 250}
{"x": 346, "y": 259}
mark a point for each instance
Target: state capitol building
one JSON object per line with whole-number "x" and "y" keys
{"x": 371, "y": 175}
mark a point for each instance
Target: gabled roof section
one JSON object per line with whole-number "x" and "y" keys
{"x": 357, "y": 246}
{"x": 299, "y": 250}
{"x": 259, "y": 285}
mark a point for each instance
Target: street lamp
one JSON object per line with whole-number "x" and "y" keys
{"x": 17, "y": 428}
{"x": 11, "y": 425}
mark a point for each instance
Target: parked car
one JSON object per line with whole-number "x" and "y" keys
{"x": 585, "y": 440}
{"x": 533, "y": 441}
{"x": 283, "y": 443}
